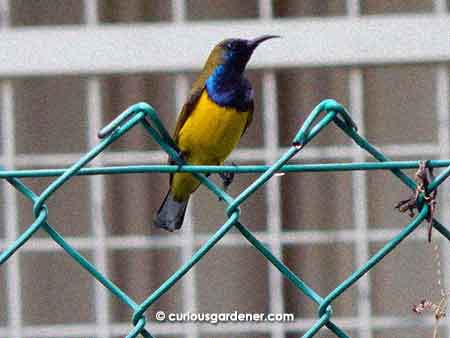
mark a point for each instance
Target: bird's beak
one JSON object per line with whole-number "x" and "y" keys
{"x": 255, "y": 42}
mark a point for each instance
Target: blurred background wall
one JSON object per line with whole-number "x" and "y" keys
{"x": 323, "y": 225}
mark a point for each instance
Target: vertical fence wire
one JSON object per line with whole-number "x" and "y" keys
{"x": 442, "y": 90}
{"x": 273, "y": 189}
{"x": 189, "y": 286}
{"x": 442, "y": 106}
{"x": 359, "y": 188}
{"x": 14, "y": 298}
{"x": 97, "y": 196}
{"x": 273, "y": 194}
{"x": 359, "y": 192}
{"x": 13, "y": 281}
{"x": 97, "y": 187}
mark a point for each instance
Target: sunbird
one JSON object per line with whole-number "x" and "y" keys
{"x": 216, "y": 114}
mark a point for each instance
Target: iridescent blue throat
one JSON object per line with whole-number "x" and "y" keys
{"x": 229, "y": 88}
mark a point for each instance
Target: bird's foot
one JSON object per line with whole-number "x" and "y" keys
{"x": 227, "y": 178}
{"x": 423, "y": 177}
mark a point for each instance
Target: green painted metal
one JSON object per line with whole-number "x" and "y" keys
{"x": 215, "y": 169}
{"x": 143, "y": 114}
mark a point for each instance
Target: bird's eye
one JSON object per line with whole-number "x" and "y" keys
{"x": 231, "y": 45}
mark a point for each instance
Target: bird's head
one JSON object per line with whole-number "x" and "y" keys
{"x": 235, "y": 53}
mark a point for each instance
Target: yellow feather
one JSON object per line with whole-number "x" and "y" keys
{"x": 207, "y": 137}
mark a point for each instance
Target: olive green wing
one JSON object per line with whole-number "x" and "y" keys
{"x": 186, "y": 111}
{"x": 189, "y": 106}
{"x": 194, "y": 96}
{"x": 197, "y": 90}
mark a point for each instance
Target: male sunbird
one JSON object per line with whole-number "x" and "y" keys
{"x": 213, "y": 119}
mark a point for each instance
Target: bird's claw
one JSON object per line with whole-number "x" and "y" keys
{"x": 227, "y": 178}
{"x": 423, "y": 177}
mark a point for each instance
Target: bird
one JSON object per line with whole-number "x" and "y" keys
{"x": 218, "y": 111}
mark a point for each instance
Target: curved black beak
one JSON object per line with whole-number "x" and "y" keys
{"x": 255, "y": 42}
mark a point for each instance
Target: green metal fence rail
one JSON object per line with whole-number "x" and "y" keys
{"x": 146, "y": 116}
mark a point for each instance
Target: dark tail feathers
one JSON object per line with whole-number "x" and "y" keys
{"x": 171, "y": 213}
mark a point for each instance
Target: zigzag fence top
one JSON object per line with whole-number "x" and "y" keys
{"x": 146, "y": 116}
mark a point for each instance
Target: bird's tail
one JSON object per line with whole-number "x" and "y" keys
{"x": 171, "y": 213}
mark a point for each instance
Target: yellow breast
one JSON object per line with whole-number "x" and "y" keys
{"x": 211, "y": 132}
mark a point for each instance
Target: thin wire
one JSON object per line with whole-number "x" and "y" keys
{"x": 211, "y": 169}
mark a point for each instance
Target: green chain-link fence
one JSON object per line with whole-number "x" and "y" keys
{"x": 145, "y": 115}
